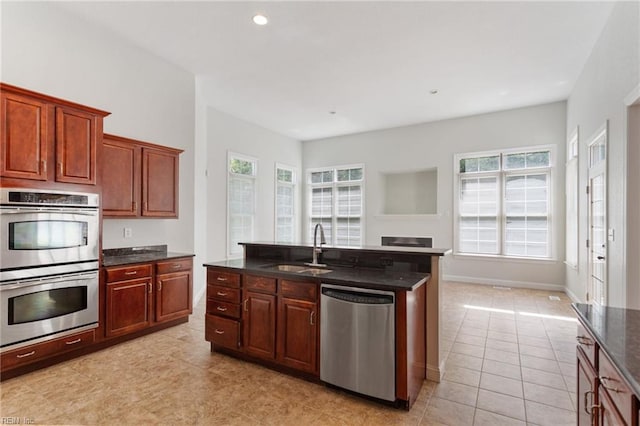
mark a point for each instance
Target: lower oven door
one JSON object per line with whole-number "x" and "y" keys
{"x": 34, "y": 309}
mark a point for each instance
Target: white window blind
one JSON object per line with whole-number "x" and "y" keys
{"x": 503, "y": 203}
{"x": 241, "y": 193}
{"x": 336, "y": 202}
{"x": 285, "y": 204}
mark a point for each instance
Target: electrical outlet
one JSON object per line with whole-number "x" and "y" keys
{"x": 127, "y": 232}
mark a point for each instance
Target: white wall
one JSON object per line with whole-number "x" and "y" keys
{"x": 227, "y": 133}
{"x": 434, "y": 144}
{"x": 50, "y": 51}
{"x": 610, "y": 74}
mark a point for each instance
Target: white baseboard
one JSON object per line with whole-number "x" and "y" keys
{"x": 572, "y": 296}
{"x": 434, "y": 373}
{"x": 505, "y": 283}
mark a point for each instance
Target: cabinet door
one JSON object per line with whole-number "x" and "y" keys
{"x": 76, "y": 144}
{"x": 25, "y": 137}
{"x": 128, "y": 306}
{"x": 121, "y": 165}
{"x": 259, "y": 315}
{"x": 608, "y": 414}
{"x": 159, "y": 183}
{"x": 586, "y": 387}
{"x": 298, "y": 334}
{"x": 173, "y": 296}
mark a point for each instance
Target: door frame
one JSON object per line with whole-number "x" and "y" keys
{"x": 601, "y": 135}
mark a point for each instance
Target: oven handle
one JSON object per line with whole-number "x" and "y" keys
{"x": 40, "y": 281}
{"x": 28, "y": 210}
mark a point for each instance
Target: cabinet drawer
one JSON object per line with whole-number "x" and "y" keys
{"x": 76, "y": 341}
{"x": 588, "y": 344}
{"x": 222, "y": 331}
{"x": 299, "y": 290}
{"x": 223, "y": 294}
{"x": 615, "y": 385}
{"x": 174, "y": 266}
{"x": 128, "y": 273}
{"x": 227, "y": 279}
{"x": 260, "y": 284}
{"x": 215, "y": 307}
{"x": 39, "y": 351}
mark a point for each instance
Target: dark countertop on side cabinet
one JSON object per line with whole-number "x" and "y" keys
{"x": 378, "y": 279}
{"x": 617, "y": 331}
{"x": 132, "y": 255}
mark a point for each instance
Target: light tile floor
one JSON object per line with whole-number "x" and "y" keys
{"x": 506, "y": 365}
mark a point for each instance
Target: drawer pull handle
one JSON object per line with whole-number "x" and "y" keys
{"x": 160, "y": 286}
{"x": 221, "y": 308}
{"x": 150, "y": 288}
{"x": 73, "y": 342}
{"x": 583, "y": 340}
{"x": 219, "y": 331}
{"x": 131, "y": 273}
{"x": 586, "y": 405}
{"x": 311, "y": 317}
{"x": 604, "y": 380}
{"x": 221, "y": 293}
{"x": 221, "y": 278}
{"x": 246, "y": 307}
{"x": 177, "y": 266}
{"x": 26, "y": 355}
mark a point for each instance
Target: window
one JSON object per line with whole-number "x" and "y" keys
{"x": 241, "y": 202}
{"x": 335, "y": 200}
{"x": 285, "y": 204}
{"x": 503, "y": 203}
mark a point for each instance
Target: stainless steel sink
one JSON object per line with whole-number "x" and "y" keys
{"x": 302, "y": 269}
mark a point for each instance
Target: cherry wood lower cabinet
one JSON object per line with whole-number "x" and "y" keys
{"x": 276, "y": 322}
{"x": 142, "y": 295}
{"x": 603, "y": 396}
{"x": 39, "y": 351}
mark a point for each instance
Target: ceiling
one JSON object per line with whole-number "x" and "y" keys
{"x": 374, "y": 64}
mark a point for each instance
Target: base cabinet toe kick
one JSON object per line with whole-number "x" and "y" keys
{"x": 292, "y": 324}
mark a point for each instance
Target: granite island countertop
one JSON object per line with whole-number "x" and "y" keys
{"x": 132, "y": 255}
{"x": 617, "y": 331}
{"x": 374, "y": 278}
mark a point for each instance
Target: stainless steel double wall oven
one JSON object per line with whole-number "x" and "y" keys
{"x": 48, "y": 265}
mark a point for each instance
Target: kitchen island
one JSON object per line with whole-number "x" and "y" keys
{"x": 265, "y": 307}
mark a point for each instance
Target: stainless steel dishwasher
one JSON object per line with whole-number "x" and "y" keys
{"x": 357, "y": 340}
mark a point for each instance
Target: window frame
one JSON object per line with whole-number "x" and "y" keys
{"x": 294, "y": 185}
{"x": 501, "y": 175}
{"x": 334, "y": 185}
{"x": 254, "y": 178}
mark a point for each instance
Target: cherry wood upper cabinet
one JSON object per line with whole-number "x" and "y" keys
{"x": 76, "y": 144}
{"x": 121, "y": 163}
{"x": 139, "y": 179}
{"x": 48, "y": 139}
{"x": 24, "y": 137}
{"x": 159, "y": 182}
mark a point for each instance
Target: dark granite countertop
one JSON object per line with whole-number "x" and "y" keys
{"x": 131, "y": 255}
{"x": 617, "y": 331}
{"x": 373, "y": 278}
{"x": 377, "y": 249}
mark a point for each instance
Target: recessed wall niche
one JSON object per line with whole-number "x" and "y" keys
{"x": 411, "y": 193}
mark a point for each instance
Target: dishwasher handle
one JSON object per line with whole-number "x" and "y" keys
{"x": 358, "y": 297}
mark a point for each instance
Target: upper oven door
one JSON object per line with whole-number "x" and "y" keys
{"x": 37, "y": 236}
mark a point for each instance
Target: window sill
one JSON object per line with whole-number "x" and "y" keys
{"x": 409, "y": 216}
{"x": 511, "y": 259}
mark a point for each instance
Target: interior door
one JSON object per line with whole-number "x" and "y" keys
{"x": 597, "y": 216}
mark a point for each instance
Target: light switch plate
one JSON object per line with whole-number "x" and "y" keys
{"x": 127, "y": 232}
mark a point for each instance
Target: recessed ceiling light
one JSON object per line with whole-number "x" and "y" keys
{"x": 260, "y": 20}
{"x": 434, "y": 91}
